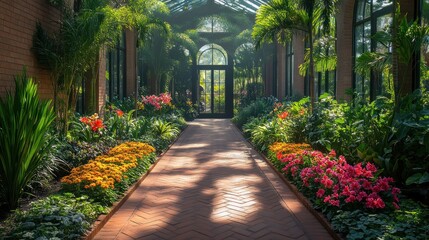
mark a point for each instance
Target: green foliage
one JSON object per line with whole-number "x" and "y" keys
{"x": 77, "y": 153}
{"x": 411, "y": 222}
{"x": 56, "y": 217}
{"x": 355, "y": 131}
{"x": 73, "y": 51}
{"x": 24, "y": 123}
{"x": 407, "y": 152}
{"x": 255, "y": 109}
{"x": 253, "y": 92}
{"x": 164, "y": 129}
{"x": 297, "y": 119}
{"x": 279, "y": 20}
{"x": 265, "y": 132}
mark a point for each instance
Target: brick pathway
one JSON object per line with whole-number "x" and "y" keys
{"x": 212, "y": 185}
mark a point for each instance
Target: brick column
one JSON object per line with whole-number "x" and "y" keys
{"x": 281, "y": 71}
{"x": 345, "y": 49}
{"x": 298, "y": 54}
{"x": 131, "y": 61}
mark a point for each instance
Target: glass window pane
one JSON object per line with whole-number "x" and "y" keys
{"x": 212, "y": 54}
{"x": 380, "y": 4}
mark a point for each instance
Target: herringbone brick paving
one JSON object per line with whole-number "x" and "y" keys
{"x": 212, "y": 185}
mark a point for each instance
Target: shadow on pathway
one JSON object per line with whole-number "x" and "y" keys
{"x": 212, "y": 185}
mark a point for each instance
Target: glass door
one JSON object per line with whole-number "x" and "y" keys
{"x": 211, "y": 97}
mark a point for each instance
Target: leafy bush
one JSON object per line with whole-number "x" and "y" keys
{"x": 255, "y": 109}
{"x": 410, "y": 222}
{"x": 253, "y": 92}
{"x": 264, "y": 132}
{"x": 356, "y": 131}
{"x": 24, "y": 123}
{"x": 407, "y": 149}
{"x": 296, "y": 120}
{"x": 55, "y": 217}
{"x": 164, "y": 130}
{"x": 77, "y": 153}
{"x": 119, "y": 124}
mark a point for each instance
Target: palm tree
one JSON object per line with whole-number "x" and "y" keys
{"x": 280, "y": 19}
{"x": 73, "y": 51}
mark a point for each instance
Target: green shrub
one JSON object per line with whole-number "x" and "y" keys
{"x": 264, "y": 132}
{"x": 55, "y": 217}
{"x": 255, "y": 109}
{"x": 410, "y": 222}
{"x": 77, "y": 153}
{"x": 164, "y": 129}
{"x": 357, "y": 131}
{"x": 24, "y": 123}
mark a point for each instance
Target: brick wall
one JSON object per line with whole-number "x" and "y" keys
{"x": 17, "y": 24}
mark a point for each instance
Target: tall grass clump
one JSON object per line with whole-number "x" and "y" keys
{"x": 24, "y": 123}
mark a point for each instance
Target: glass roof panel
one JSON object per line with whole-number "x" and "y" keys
{"x": 250, "y": 6}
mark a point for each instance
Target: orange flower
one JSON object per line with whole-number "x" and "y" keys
{"x": 106, "y": 170}
{"x": 280, "y": 148}
{"x": 283, "y": 115}
{"x": 119, "y": 112}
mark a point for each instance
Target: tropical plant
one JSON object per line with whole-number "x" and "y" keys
{"x": 164, "y": 130}
{"x": 265, "y": 133}
{"x": 24, "y": 123}
{"x": 279, "y": 20}
{"x": 407, "y": 39}
{"x": 72, "y": 52}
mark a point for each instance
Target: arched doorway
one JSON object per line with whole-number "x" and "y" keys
{"x": 214, "y": 82}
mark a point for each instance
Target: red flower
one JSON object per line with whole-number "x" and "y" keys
{"x": 84, "y": 120}
{"x": 119, "y": 112}
{"x": 97, "y": 124}
{"x": 283, "y": 115}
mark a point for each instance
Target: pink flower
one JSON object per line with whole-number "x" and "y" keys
{"x": 320, "y": 193}
{"x": 327, "y": 182}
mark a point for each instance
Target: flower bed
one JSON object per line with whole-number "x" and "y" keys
{"x": 87, "y": 192}
{"x": 107, "y": 176}
{"x": 359, "y": 203}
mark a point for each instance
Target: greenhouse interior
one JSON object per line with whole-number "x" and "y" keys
{"x": 214, "y": 119}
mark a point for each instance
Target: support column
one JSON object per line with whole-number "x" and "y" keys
{"x": 131, "y": 64}
{"x": 298, "y": 80}
{"x": 344, "y": 49}
{"x": 281, "y": 71}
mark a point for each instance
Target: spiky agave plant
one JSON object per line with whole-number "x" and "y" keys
{"x": 24, "y": 122}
